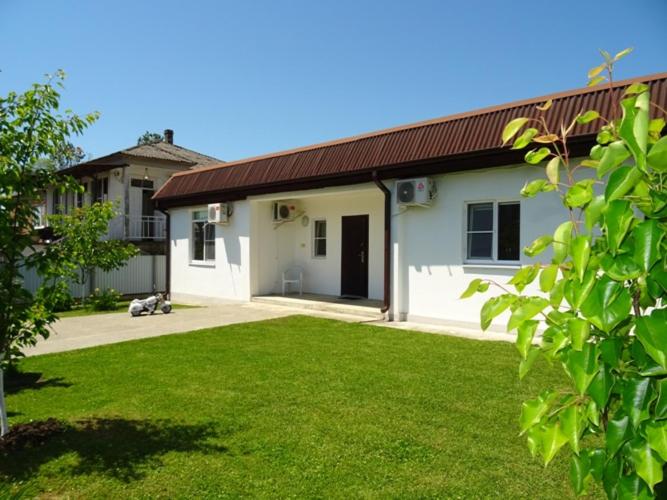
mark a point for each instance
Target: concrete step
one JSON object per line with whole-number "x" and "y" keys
{"x": 334, "y": 307}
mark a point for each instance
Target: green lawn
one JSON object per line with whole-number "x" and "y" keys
{"x": 294, "y": 407}
{"x": 122, "y": 306}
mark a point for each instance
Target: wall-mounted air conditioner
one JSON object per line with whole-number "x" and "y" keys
{"x": 418, "y": 192}
{"x": 284, "y": 211}
{"x": 218, "y": 213}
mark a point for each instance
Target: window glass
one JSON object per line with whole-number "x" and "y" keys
{"x": 480, "y": 217}
{"x": 480, "y": 231}
{"x": 203, "y": 237}
{"x": 480, "y": 245}
{"x": 320, "y": 238}
{"x": 508, "y": 231}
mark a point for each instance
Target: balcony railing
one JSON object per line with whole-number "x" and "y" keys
{"x": 138, "y": 227}
{"x": 146, "y": 227}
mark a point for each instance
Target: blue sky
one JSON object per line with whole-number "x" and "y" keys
{"x": 236, "y": 79}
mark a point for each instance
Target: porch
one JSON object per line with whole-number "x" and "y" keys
{"x": 138, "y": 227}
{"x": 332, "y": 237}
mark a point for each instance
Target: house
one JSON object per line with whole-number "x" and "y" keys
{"x": 129, "y": 177}
{"x": 406, "y": 216}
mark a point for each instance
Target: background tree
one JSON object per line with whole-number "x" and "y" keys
{"x": 604, "y": 302}
{"x": 32, "y": 131}
{"x": 150, "y": 138}
{"x": 69, "y": 156}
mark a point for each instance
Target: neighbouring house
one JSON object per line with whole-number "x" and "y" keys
{"x": 407, "y": 216}
{"x": 129, "y": 178}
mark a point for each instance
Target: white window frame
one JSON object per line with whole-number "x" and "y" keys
{"x": 494, "y": 240}
{"x": 315, "y": 238}
{"x": 205, "y": 262}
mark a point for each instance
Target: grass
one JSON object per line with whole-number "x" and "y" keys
{"x": 121, "y": 306}
{"x": 293, "y": 407}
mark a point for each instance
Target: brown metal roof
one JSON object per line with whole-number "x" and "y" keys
{"x": 391, "y": 151}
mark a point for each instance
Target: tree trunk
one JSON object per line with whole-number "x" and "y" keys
{"x": 4, "y": 422}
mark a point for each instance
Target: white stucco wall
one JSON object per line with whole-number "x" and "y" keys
{"x": 289, "y": 244}
{"x": 228, "y": 278}
{"x": 429, "y": 272}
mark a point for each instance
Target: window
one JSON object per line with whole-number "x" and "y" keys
{"x": 102, "y": 189}
{"x": 320, "y": 238}
{"x": 142, "y": 183}
{"x": 493, "y": 231}
{"x": 80, "y": 197}
{"x": 203, "y": 237}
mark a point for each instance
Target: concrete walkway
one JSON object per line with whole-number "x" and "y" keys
{"x": 99, "y": 329}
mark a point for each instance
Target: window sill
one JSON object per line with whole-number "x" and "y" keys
{"x": 202, "y": 263}
{"x": 492, "y": 265}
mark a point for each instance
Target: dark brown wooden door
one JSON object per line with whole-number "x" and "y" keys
{"x": 354, "y": 256}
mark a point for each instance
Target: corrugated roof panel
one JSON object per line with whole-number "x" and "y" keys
{"x": 425, "y": 141}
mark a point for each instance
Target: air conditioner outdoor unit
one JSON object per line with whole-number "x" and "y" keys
{"x": 285, "y": 210}
{"x": 416, "y": 192}
{"x": 218, "y": 213}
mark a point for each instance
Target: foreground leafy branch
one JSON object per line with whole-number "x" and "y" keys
{"x": 603, "y": 303}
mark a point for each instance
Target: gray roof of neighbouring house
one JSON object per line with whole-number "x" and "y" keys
{"x": 159, "y": 152}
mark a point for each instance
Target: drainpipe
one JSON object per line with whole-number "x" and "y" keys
{"x": 387, "y": 241}
{"x": 167, "y": 255}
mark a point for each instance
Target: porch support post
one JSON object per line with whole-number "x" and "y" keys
{"x": 387, "y": 242}
{"x": 167, "y": 255}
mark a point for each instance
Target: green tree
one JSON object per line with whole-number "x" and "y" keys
{"x": 150, "y": 138}
{"x": 604, "y": 302}
{"x": 69, "y": 156}
{"x": 32, "y": 134}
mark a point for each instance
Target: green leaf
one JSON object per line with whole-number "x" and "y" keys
{"x": 526, "y": 364}
{"x": 572, "y": 425}
{"x": 636, "y": 395}
{"x": 632, "y": 487}
{"x": 614, "y": 154}
{"x": 525, "y": 139}
{"x": 607, "y": 304}
{"x": 593, "y": 212}
{"x": 601, "y": 386}
{"x": 594, "y": 81}
{"x": 546, "y": 139}
{"x": 596, "y": 152}
{"x": 579, "y": 194}
{"x": 660, "y": 410}
{"x": 524, "y": 276}
{"x": 473, "y": 287}
{"x": 650, "y": 330}
{"x": 633, "y": 128}
{"x": 647, "y": 237}
{"x": 557, "y": 292}
{"x": 553, "y": 440}
{"x": 582, "y": 366}
{"x": 527, "y": 310}
{"x": 620, "y": 268}
{"x": 621, "y": 54}
{"x": 580, "y": 473}
{"x": 617, "y": 220}
{"x": 535, "y": 156}
{"x": 577, "y": 292}
{"x": 538, "y": 246}
{"x": 493, "y": 307}
{"x": 512, "y": 128}
{"x": 598, "y": 458}
{"x": 579, "y": 330}
{"x": 610, "y": 351}
{"x": 588, "y": 117}
{"x": 531, "y": 189}
{"x": 596, "y": 70}
{"x": 553, "y": 170}
{"x": 657, "y": 156}
{"x": 581, "y": 252}
{"x": 548, "y": 277}
{"x": 656, "y": 436}
{"x": 561, "y": 243}
{"x": 533, "y": 410}
{"x": 618, "y": 432}
{"x": 646, "y": 461}
{"x": 605, "y": 136}
{"x": 621, "y": 181}
{"x": 636, "y": 88}
{"x": 524, "y": 338}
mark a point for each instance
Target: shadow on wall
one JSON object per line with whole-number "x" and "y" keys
{"x": 114, "y": 447}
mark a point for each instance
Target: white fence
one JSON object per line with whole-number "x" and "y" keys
{"x": 138, "y": 276}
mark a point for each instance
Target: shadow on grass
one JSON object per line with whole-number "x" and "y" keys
{"x": 16, "y": 382}
{"x": 122, "y": 449}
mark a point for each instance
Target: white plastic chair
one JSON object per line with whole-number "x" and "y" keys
{"x": 293, "y": 276}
